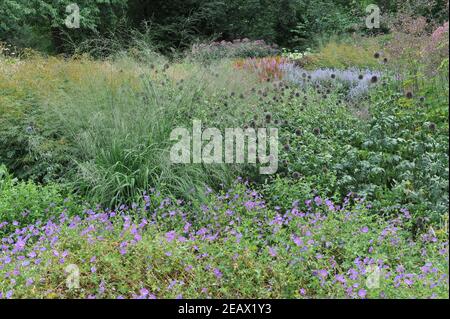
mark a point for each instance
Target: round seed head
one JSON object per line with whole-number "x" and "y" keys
{"x": 432, "y": 126}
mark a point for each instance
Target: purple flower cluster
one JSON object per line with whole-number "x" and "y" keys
{"x": 330, "y": 249}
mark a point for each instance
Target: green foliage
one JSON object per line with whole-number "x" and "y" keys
{"x": 362, "y": 179}
{"x": 323, "y": 18}
{"x": 29, "y": 146}
{"x": 27, "y": 202}
{"x": 390, "y": 149}
{"x": 28, "y": 20}
{"x": 233, "y": 247}
{"x": 121, "y": 134}
{"x": 176, "y": 24}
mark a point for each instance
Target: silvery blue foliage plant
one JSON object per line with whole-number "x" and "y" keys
{"x": 357, "y": 81}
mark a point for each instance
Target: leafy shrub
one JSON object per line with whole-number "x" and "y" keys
{"x": 26, "y": 22}
{"x": 387, "y": 147}
{"x": 323, "y": 19}
{"x": 23, "y": 203}
{"x": 29, "y": 146}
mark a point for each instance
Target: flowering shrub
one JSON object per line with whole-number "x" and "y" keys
{"x": 7, "y": 50}
{"x": 437, "y": 48}
{"x": 233, "y": 247}
{"x": 415, "y": 48}
{"x": 439, "y": 36}
{"x": 239, "y": 48}
{"x": 296, "y": 55}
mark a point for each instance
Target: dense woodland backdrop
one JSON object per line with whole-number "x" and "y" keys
{"x": 174, "y": 24}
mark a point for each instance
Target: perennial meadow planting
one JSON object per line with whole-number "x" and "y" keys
{"x": 91, "y": 205}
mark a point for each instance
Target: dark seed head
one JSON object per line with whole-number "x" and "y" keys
{"x": 316, "y": 131}
{"x": 287, "y": 147}
{"x": 376, "y": 55}
{"x": 298, "y": 132}
{"x": 333, "y": 76}
{"x": 361, "y": 77}
{"x": 296, "y": 175}
{"x": 422, "y": 99}
{"x": 409, "y": 95}
{"x": 385, "y": 60}
{"x": 432, "y": 126}
{"x": 374, "y": 79}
